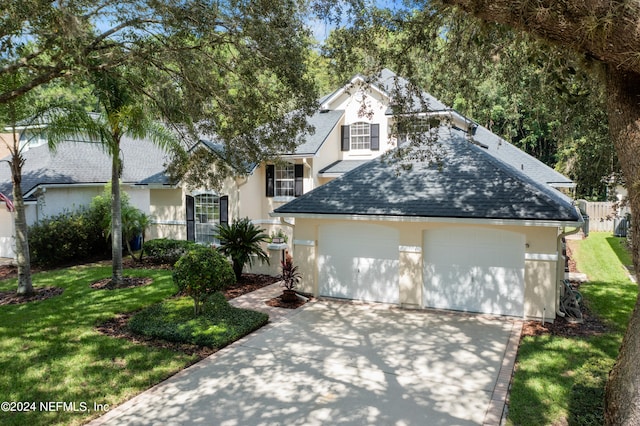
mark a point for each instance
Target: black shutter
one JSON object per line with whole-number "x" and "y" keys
{"x": 345, "y": 139}
{"x": 271, "y": 180}
{"x": 191, "y": 222}
{"x": 299, "y": 174}
{"x": 224, "y": 210}
{"x": 375, "y": 137}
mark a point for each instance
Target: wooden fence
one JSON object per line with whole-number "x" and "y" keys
{"x": 603, "y": 216}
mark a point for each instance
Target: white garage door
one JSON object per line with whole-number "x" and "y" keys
{"x": 358, "y": 261}
{"x": 475, "y": 270}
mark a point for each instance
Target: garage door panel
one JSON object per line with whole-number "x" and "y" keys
{"x": 358, "y": 261}
{"x": 474, "y": 269}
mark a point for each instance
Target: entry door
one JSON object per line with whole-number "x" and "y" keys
{"x": 359, "y": 262}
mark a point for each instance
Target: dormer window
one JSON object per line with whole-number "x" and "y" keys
{"x": 360, "y": 136}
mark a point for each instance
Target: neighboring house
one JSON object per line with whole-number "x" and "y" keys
{"x": 65, "y": 180}
{"x": 482, "y": 234}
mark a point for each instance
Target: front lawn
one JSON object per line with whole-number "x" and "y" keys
{"x": 560, "y": 380}
{"x": 51, "y": 353}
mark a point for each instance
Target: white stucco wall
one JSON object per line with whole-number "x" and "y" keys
{"x": 540, "y": 277}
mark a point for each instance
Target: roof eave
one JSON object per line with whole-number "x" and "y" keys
{"x": 416, "y": 219}
{"x": 340, "y": 91}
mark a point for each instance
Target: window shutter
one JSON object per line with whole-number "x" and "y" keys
{"x": 191, "y": 226}
{"x": 224, "y": 210}
{"x": 345, "y": 139}
{"x": 299, "y": 174}
{"x": 375, "y": 137}
{"x": 271, "y": 180}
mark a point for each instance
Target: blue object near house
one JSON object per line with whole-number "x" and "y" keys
{"x": 136, "y": 243}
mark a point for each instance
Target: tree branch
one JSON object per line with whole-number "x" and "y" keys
{"x": 603, "y": 29}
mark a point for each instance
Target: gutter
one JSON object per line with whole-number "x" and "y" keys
{"x": 429, "y": 219}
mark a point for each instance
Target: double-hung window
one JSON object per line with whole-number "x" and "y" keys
{"x": 360, "y": 136}
{"x": 285, "y": 180}
{"x": 207, "y": 217}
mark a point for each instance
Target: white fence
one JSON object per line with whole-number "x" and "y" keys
{"x": 603, "y": 216}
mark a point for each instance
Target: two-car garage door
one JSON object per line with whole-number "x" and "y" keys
{"x": 464, "y": 268}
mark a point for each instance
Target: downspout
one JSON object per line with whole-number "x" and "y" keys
{"x": 560, "y": 265}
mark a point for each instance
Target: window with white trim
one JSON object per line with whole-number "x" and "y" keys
{"x": 285, "y": 178}
{"x": 360, "y": 136}
{"x": 207, "y": 217}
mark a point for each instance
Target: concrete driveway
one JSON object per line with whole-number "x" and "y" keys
{"x": 348, "y": 364}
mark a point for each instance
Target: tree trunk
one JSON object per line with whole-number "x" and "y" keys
{"x": 116, "y": 220}
{"x": 25, "y": 286}
{"x": 622, "y": 395}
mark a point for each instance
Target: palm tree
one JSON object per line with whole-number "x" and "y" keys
{"x": 20, "y": 113}
{"x": 240, "y": 241}
{"x": 122, "y": 112}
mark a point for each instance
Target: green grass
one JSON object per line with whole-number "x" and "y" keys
{"x": 50, "y": 351}
{"x": 219, "y": 324}
{"x": 561, "y": 379}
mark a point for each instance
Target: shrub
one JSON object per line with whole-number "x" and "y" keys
{"x": 219, "y": 324}
{"x": 163, "y": 250}
{"x": 200, "y": 273}
{"x": 240, "y": 241}
{"x": 65, "y": 238}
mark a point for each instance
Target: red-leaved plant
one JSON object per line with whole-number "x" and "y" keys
{"x": 290, "y": 276}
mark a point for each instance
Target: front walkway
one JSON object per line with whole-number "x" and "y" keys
{"x": 256, "y": 301}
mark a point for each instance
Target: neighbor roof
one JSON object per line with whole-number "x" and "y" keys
{"x": 87, "y": 163}
{"x": 470, "y": 184}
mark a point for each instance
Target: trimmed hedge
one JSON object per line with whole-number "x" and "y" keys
{"x": 65, "y": 238}
{"x": 164, "y": 250}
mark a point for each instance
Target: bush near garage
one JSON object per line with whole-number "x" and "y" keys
{"x": 201, "y": 272}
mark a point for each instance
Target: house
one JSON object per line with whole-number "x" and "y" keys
{"x": 392, "y": 228}
{"x": 472, "y": 234}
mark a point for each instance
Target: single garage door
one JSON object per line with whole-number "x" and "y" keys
{"x": 358, "y": 261}
{"x": 475, "y": 270}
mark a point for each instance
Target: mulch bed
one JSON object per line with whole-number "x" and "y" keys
{"x": 591, "y": 325}
{"x": 277, "y": 302}
{"x": 117, "y": 327}
{"x": 129, "y": 282}
{"x": 40, "y": 293}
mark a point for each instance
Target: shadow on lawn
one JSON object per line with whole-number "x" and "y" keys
{"x": 621, "y": 249}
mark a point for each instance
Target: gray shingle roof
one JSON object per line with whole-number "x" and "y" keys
{"x": 519, "y": 159}
{"x": 497, "y": 146}
{"x": 471, "y": 184}
{"x": 391, "y": 83}
{"x": 323, "y": 122}
{"x": 342, "y": 166}
{"x": 82, "y": 163}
